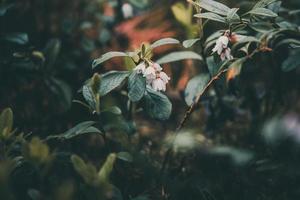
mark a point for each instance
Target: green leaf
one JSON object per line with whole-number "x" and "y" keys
{"x": 211, "y": 16}
{"x": 213, "y": 6}
{"x": 51, "y": 52}
{"x": 263, "y": 12}
{"x": 190, "y": 42}
{"x": 61, "y": 90}
{"x": 111, "y": 80}
{"x": 107, "y": 167}
{"x": 18, "y": 38}
{"x": 214, "y": 67}
{"x": 245, "y": 39}
{"x": 87, "y": 171}
{"x": 136, "y": 86}
{"x": 164, "y": 41}
{"x": 180, "y": 55}
{"x": 292, "y": 62}
{"x": 80, "y": 129}
{"x": 232, "y": 15}
{"x": 125, "y": 156}
{"x": 264, "y": 3}
{"x": 88, "y": 96}
{"x": 235, "y": 68}
{"x": 157, "y": 105}
{"x": 194, "y": 87}
{"x": 108, "y": 56}
{"x": 6, "y": 122}
{"x": 114, "y": 110}
{"x": 262, "y": 27}
{"x": 4, "y": 8}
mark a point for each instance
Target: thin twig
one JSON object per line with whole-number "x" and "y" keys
{"x": 198, "y": 97}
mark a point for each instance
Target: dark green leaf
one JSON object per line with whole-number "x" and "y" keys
{"x": 108, "y": 56}
{"x": 136, "y": 86}
{"x": 114, "y": 110}
{"x": 232, "y": 15}
{"x": 4, "y": 8}
{"x": 180, "y": 55}
{"x": 261, "y": 26}
{"x": 111, "y": 80}
{"x": 213, "y": 6}
{"x": 264, "y": 3}
{"x": 292, "y": 62}
{"x": 211, "y": 16}
{"x": 51, "y": 52}
{"x": 80, "y": 129}
{"x": 190, "y": 42}
{"x": 88, "y": 96}
{"x": 18, "y": 38}
{"x": 263, "y": 12}
{"x": 157, "y": 105}
{"x": 125, "y": 156}
{"x": 194, "y": 87}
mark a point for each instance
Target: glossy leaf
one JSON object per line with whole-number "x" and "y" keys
{"x": 111, "y": 80}
{"x": 125, "y": 156}
{"x": 264, "y": 3}
{"x": 108, "y": 56}
{"x": 177, "y": 56}
{"x": 194, "y": 87}
{"x": 190, "y": 42}
{"x": 213, "y": 6}
{"x": 80, "y": 129}
{"x": 157, "y": 105}
{"x": 164, "y": 41}
{"x": 136, "y": 86}
{"x": 263, "y": 12}
{"x": 211, "y": 16}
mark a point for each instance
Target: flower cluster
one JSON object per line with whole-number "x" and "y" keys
{"x": 222, "y": 42}
{"x": 155, "y": 77}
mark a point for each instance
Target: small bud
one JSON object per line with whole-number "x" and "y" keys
{"x": 95, "y": 83}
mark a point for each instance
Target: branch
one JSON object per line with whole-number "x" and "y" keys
{"x": 197, "y": 100}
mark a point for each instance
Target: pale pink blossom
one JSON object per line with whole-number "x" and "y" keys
{"x": 150, "y": 73}
{"x": 156, "y": 66}
{"x": 226, "y": 54}
{"x": 221, "y": 44}
{"x": 159, "y": 84}
{"x": 163, "y": 76}
{"x": 140, "y": 68}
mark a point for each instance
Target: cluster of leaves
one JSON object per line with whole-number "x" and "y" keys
{"x": 156, "y": 104}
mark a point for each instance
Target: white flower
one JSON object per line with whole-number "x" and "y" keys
{"x": 140, "y": 68}
{"x": 150, "y": 73}
{"x": 226, "y": 54}
{"x": 222, "y": 48}
{"x": 221, "y": 44}
{"x": 163, "y": 76}
{"x": 127, "y": 10}
{"x": 158, "y": 85}
{"x": 156, "y": 66}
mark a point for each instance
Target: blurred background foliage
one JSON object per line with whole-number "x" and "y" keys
{"x": 243, "y": 142}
